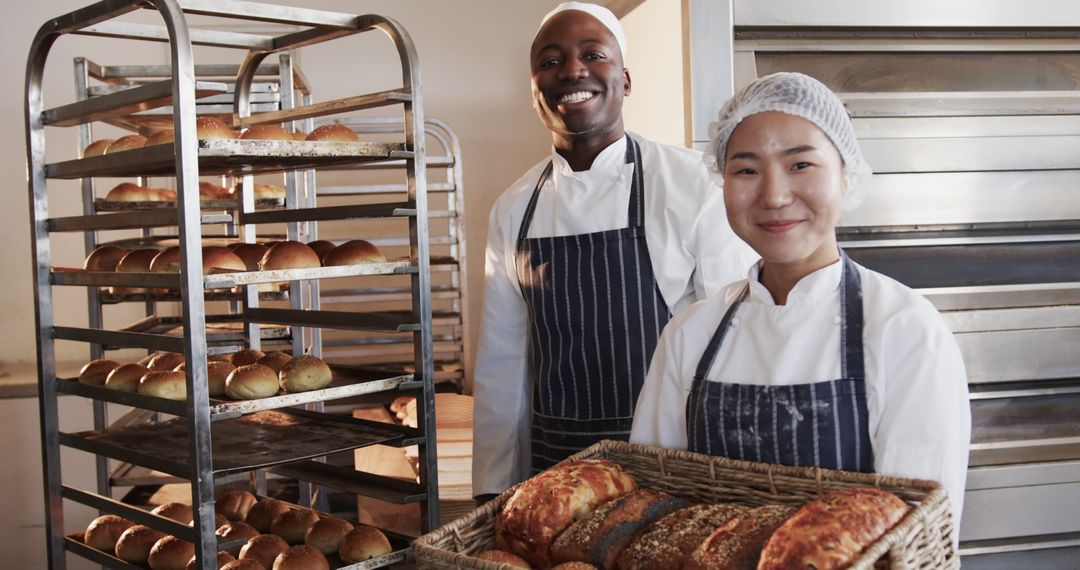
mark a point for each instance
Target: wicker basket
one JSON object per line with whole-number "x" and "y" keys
{"x": 923, "y": 539}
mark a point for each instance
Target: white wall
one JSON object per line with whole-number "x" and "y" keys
{"x": 474, "y": 60}
{"x": 656, "y": 106}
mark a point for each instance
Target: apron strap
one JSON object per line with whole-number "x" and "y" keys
{"x": 635, "y": 210}
{"x": 852, "y": 364}
{"x": 709, "y": 356}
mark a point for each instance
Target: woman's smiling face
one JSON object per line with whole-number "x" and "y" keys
{"x": 784, "y": 190}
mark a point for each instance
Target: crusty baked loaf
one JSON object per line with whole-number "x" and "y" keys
{"x": 831, "y": 531}
{"x": 251, "y": 382}
{"x": 274, "y": 360}
{"x": 236, "y": 530}
{"x": 503, "y": 557}
{"x": 126, "y": 378}
{"x": 96, "y": 148}
{"x": 737, "y": 544}
{"x": 304, "y": 373}
{"x": 166, "y": 361}
{"x": 605, "y": 532}
{"x": 327, "y": 534}
{"x": 545, "y": 505}
{"x": 135, "y": 544}
{"x": 234, "y": 504}
{"x": 364, "y": 543}
{"x": 103, "y": 532}
{"x": 178, "y": 512}
{"x": 126, "y": 142}
{"x": 264, "y": 512}
{"x": 301, "y": 557}
{"x": 264, "y": 549}
{"x": 245, "y": 564}
{"x": 293, "y": 524}
{"x": 96, "y": 371}
{"x": 171, "y": 553}
{"x": 273, "y": 132}
{"x": 666, "y": 543}
{"x": 333, "y": 132}
{"x": 223, "y": 558}
{"x": 574, "y": 565}
{"x": 105, "y": 258}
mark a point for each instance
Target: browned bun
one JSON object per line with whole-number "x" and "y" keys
{"x": 334, "y": 132}
{"x": 251, "y": 254}
{"x": 264, "y": 512}
{"x": 235, "y": 504}
{"x": 178, "y": 512}
{"x": 216, "y": 374}
{"x": 126, "y": 143}
{"x": 302, "y": 557}
{"x": 251, "y": 382}
{"x": 269, "y": 132}
{"x": 236, "y": 530}
{"x": 242, "y": 564}
{"x": 264, "y": 549}
{"x": 363, "y": 543}
{"x": 161, "y": 194}
{"x": 135, "y": 544}
{"x": 166, "y": 361}
{"x": 219, "y": 519}
{"x": 304, "y": 373}
{"x": 126, "y": 378}
{"x": 274, "y": 360}
{"x": 327, "y": 534}
{"x": 223, "y": 558}
{"x": 171, "y": 553}
{"x": 163, "y": 136}
{"x": 353, "y": 252}
{"x": 103, "y": 532}
{"x": 95, "y": 372}
{"x": 96, "y": 148}
{"x": 220, "y": 258}
{"x": 105, "y": 258}
{"x": 299, "y": 136}
{"x": 293, "y": 524}
{"x": 211, "y": 191}
{"x": 211, "y": 128}
{"x": 289, "y": 255}
{"x": 136, "y": 261}
{"x": 321, "y": 247}
{"x": 503, "y": 557}
{"x": 245, "y": 357}
{"x": 128, "y": 192}
{"x": 167, "y": 261}
{"x": 164, "y": 384}
{"x": 268, "y": 192}
{"x": 574, "y": 565}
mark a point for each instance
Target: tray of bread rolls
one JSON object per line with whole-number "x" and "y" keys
{"x": 623, "y": 506}
{"x": 269, "y": 533}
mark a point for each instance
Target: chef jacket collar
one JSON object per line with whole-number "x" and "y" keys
{"x": 609, "y": 162}
{"x": 810, "y": 289}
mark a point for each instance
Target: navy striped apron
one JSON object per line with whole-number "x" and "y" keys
{"x": 821, "y": 424}
{"x": 595, "y": 315}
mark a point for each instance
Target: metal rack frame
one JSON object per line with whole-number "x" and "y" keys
{"x": 187, "y": 157}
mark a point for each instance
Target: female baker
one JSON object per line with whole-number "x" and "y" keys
{"x": 813, "y": 359}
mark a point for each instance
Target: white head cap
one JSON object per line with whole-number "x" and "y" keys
{"x": 596, "y": 11}
{"x": 802, "y": 96}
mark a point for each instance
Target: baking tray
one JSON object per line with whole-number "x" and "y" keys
{"x": 255, "y": 441}
{"x": 108, "y": 298}
{"x": 220, "y": 329}
{"x": 103, "y": 205}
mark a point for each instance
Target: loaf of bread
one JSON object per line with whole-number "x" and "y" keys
{"x": 321, "y": 247}
{"x": 333, "y": 132}
{"x": 163, "y": 136}
{"x": 126, "y": 378}
{"x": 669, "y": 541}
{"x": 274, "y": 360}
{"x": 211, "y": 191}
{"x": 95, "y": 372}
{"x": 234, "y": 504}
{"x": 264, "y": 549}
{"x": 171, "y": 553}
{"x": 178, "y": 512}
{"x": 166, "y": 361}
{"x": 289, "y": 255}
{"x": 363, "y": 543}
{"x": 833, "y": 530}
{"x": 353, "y": 252}
{"x": 135, "y": 544}
{"x": 96, "y": 148}
{"x": 574, "y": 565}
{"x": 737, "y": 544}
{"x": 547, "y": 504}
{"x": 304, "y": 373}
{"x": 136, "y": 261}
{"x": 128, "y": 192}
{"x": 503, "y": 557}
{"x": 207, "y": 128}
{"x": 105, "y": 258}
{"x": 293, "y": 524}
{"x": 242, "y": 564}
{"x": 301, "y": 557}
{"x": 128, "y": 142}
{"x": 166, "y": 384}
{"x": 263, "y": 514}
{"x": 327, "y": 534}
{"x": 217, "y": 373}
{"x": 236, "y": 530}
{"x": 223, "y": 558}
{"x": 251, "y": 254}
{"x": 272, "y": 132}
{"x": 251, "y": 382}
{"x": 245, "y": 356}
{"x": 604, "y": 533}
{"x": 103, "y": 532}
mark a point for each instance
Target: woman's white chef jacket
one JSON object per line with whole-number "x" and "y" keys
{"x": 685, "y": 229}
{"x": 916, "y": 386}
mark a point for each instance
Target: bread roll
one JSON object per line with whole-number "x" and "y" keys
{"x": 363, "y": 543}
{"x": 164, "y": 384}
{"x": 251, "y": 382}
{"x": 135, "y": 544}
{"x": 223, "y": 558}
{"x": 136, "y": 261}
{"x": 669, "y": 541}
{"x": 95, "y": 372}
{"x": 333, "y": 132}
{"x": 219, "y": 519}
{"x": 211, "y": 191}
{"x": 574, "y": 565}
{"x": 299, "y": 136}
{"x": 737, "y": 543}
{"x": 234, "y": 504}
{"x": 251, "y": 254}
{"x": 268, "y": 192}
{"x": 607, "y": 530}
{"x": 304, "y": 373}
{"x": 236, "y": 530}
{"x": 128, "y": 142}
{"x": 245, "y": 357}
{"x": 293, "y": 524}
{"x": 274, "y": 360}
{"x": 833, "y": 530}
{"x": 208, "y": 128}
{"x": 289, "y": 255}
{"x": 166, "y": 261}
{"x": 163, "y": 136}
{"x": 321, "y": 247}
{"x": 178, "y": 512}
{"x": 545, "y": 505}
{"x": 221, "y": 260}
{"x": 327, "y": 534}
{"x": 96, "y": 148}
{"x": 354, "y": 252}
{"x": 103, "y": 532}
{"x": 263, "y": 514}
{"x": 264, "y": 549}
{"x": 161, "y": 194}
{"x": 126, "y": 378}
{"x": 216, "y": 375}
{"x": 105, "y": 258}
{"x": 243, "y": 565}
{"x": 128, "y": 192}
{"x": 503, "y": 557}
{"x": 301, "y": 557}
{"x": 171, "y": 553}
{"x": 166, "y": 361}
{"x": 268, "y": 132}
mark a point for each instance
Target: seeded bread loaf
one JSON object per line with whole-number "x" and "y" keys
{"x": 669, "y": 541}
{"x": 737, "y": 544}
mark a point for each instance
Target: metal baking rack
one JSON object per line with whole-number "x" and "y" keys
{"x": 199, "y": 444}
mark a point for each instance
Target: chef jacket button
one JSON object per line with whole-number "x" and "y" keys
{"x": 836, "y": 320}
{"x": 735, "y": 321}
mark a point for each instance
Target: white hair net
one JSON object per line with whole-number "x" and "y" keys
{"x": 605, "y": 16}
{"x": 803, "y": 96}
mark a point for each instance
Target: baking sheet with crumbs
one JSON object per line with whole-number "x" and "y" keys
{"x": 254, "y": 441}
